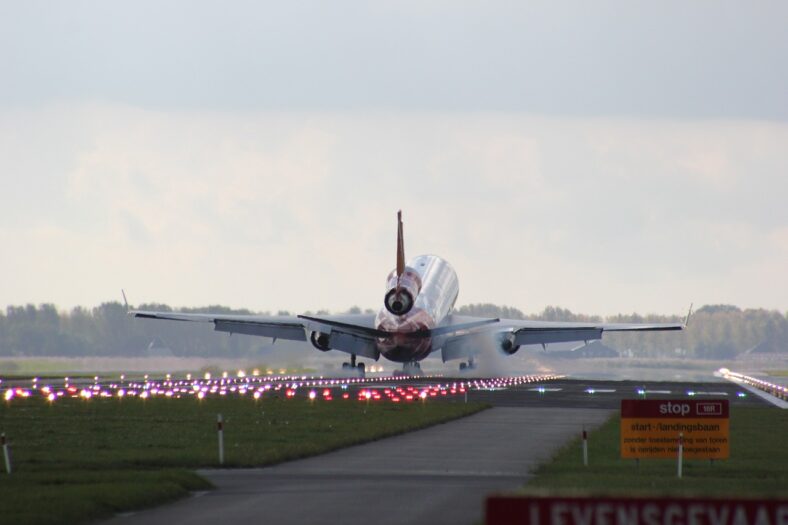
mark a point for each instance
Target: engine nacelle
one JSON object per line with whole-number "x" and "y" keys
{"x": 320, "y": 341}
{"x": 402, "y": 291}
{"x": 398, "y": 301}
{"x": 507, "y": 345}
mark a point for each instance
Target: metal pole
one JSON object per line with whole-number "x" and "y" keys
{"x": 585, "y": 448}
{"x": 220, "y": 429}
{"x": 5, "y": 453}
{"x": 681, "y": 452}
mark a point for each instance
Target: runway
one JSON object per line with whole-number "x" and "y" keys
{"x": 437, "y": 475}
{"x": 606, "y": 394}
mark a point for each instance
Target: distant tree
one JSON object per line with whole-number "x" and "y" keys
{"x": 715, "y": 331}
{"x": 717, "y": 308}
{"x": 490, "y": 310}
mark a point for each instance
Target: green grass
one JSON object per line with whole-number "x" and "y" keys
{"x": 81, "y": 367}
{"x": 758, "y": 464}
{"x": 26, "y": 368}
{"x": 777, "y": 373}
{"x": 77, "y": 460}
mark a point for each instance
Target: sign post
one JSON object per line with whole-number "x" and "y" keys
{"x": 687, "y": 429}
{"x": 681, "y": 452}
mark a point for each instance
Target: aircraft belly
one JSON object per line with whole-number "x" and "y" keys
{"x": 402, "y": 347}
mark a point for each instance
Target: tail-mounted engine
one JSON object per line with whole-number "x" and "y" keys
{"x": 506, "y": 343}
{"x": 320, "y": 341}
{"x": 402, "y": 291}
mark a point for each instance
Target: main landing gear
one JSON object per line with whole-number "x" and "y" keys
{"x": 470, "y": 365}
{"x": 412, "y": 368}
{"x": 359, "y": 368}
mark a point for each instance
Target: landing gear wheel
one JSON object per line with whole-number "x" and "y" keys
{"x": 353, "y": 367}
{"x": 412, "y": 369}
{"x": 470, "y": 365}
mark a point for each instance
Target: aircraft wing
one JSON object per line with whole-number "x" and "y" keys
{"x": 348, "y": 333}
{"x": 546, "y": 332}
{"x": 522, "y": 332}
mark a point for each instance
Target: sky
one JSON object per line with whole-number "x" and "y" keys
{"x": 606, "y": 157}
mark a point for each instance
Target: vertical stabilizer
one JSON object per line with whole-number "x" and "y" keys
{"x": 400, "y": 246}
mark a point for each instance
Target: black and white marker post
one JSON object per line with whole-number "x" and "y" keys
{"x": 6, "y": 456}
{"x": 220, "y": 430}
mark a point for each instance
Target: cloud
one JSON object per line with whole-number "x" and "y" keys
{"x": 671, "y": 59}
{"x": 295, "y": 210}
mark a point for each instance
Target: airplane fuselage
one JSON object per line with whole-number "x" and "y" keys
{"x": 437, "y": 287}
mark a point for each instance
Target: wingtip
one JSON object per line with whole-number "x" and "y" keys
{"x": 689, "y": 314}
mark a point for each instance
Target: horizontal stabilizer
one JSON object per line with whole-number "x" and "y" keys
{"x": 364, "y": 331}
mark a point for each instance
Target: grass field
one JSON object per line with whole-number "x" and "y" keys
{"x": 53, "y": 367}
{"x": 78, "y": 459}
{"x": 777, "y": 373}
{"x": 758, "y": 464}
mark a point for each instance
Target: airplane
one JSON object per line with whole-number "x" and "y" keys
{"x": 416, "y": 320}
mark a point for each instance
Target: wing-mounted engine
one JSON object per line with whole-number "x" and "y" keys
{"x": 507, "y": 344}
{"x": 320, "y": 341}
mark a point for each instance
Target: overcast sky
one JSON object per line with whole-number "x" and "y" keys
{"x": 602, "y": 156}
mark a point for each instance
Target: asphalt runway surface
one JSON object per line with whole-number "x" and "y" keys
{"x": 437, "y": 475}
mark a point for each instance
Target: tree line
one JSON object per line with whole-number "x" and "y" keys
{"x": 714, "y": 332}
